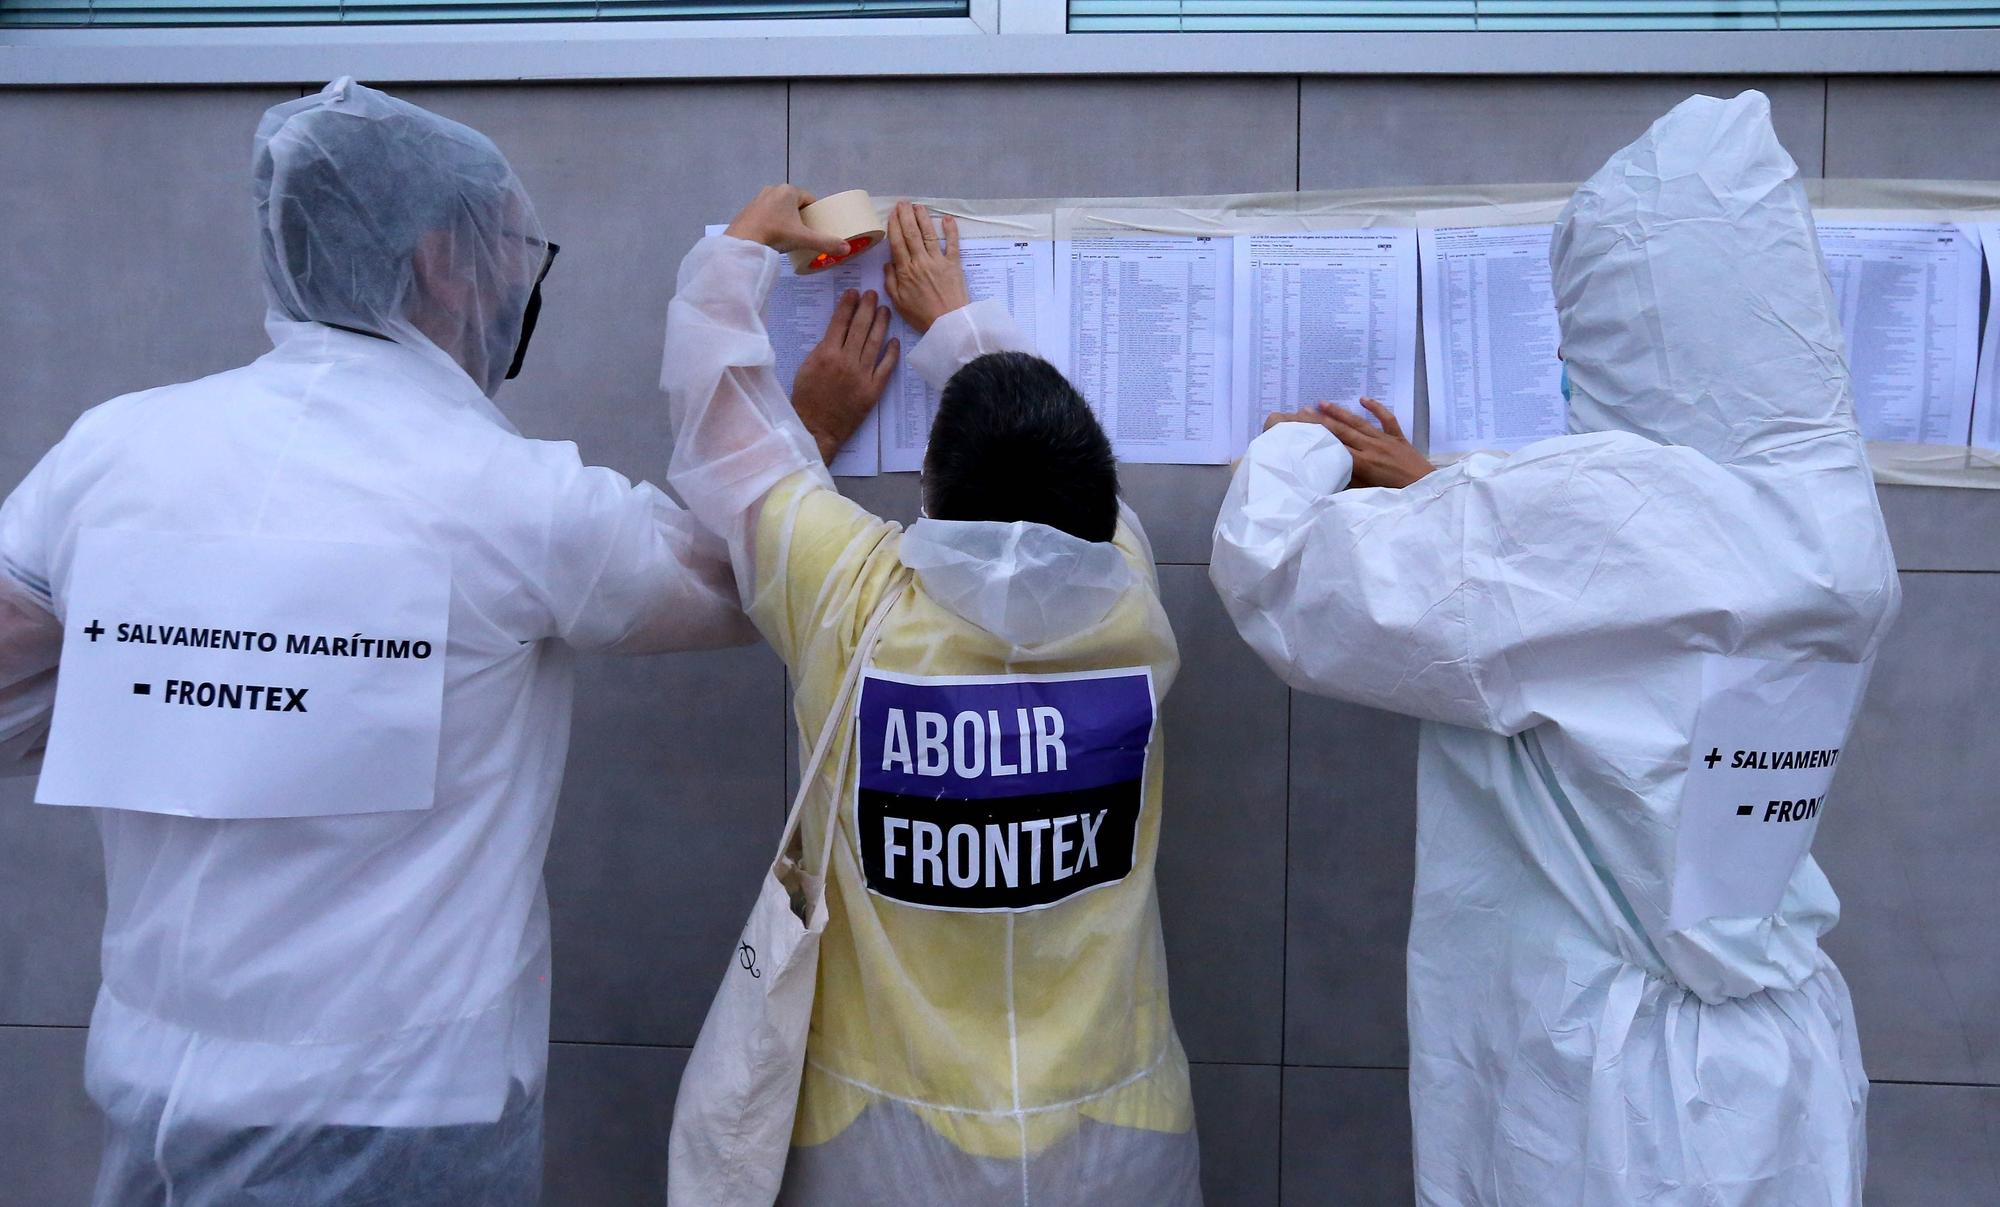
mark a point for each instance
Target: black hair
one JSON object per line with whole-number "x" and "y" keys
{"x": 1014, "y": 441}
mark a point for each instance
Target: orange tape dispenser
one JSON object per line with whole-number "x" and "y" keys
{"x": 849, "y": 216}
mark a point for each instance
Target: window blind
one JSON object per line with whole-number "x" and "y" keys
{"x": 48, "y": 13}
{"x": 1305, "y": 16}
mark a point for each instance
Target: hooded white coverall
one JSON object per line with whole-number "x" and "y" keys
{"x": 970, "y": 1055}
{"x": 315, "y": 1010}
{"x": 1636, "y": 651}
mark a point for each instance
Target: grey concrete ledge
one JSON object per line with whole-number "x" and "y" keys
{"x": 665, "y": 51}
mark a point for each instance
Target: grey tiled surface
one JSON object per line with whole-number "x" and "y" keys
{"x": 1236, "y": 1111}
{"x": 1346, "y": 1137}
{"x": 1222, "y": 853}
{"x": 1177, "y": 503}
{"x": 1932, "y": 529}
{"x": 1914, "y": 127}
{"x": 128, "y": 250}
{"x": 1045, "y": 138}
{"x": 49, "y": 1131}
{"x": 608, "y": 1112}
{"x": 1933, "y": 1145}
{"x": 1352, "y": 857}
{"x": 51, "y": 910}
{"x": 669, "y": 817}
{"x": 1909, "y": 840}
{"x": 1285, "y": 910}
{"x": 1364, "y": 133}
{"x": 624, "y": 177}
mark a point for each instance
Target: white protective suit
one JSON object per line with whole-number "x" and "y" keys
{"x": 346, "y": 1009}
{"x": 974, "y": 1048}
{"x": 1636, "y": 651}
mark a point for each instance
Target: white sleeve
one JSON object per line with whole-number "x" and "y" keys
{"x": 653, "y": 580}
{"x": 1359, "y": 595}
{"x": 735, "y": 433}
{"x": 965, "y": 335}
{"x": 30, "y": 635}
{"x": 1474, "y": 594}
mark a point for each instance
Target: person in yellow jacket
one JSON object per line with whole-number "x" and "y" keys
{"x": 991, "y": 1024}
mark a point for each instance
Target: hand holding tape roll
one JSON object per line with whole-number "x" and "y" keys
{"x": 850, "y": 216}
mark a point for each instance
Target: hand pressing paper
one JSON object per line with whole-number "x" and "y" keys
{"x": 1328, "y": 316}
{"x": 1018, "y": 272}
{"x": 1149, "y": 341}
{"x": 797, "y": 314}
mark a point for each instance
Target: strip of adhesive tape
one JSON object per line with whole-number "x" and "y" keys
{"x": 849, "y": 216}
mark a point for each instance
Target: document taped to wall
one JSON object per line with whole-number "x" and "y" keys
{"x": 240, "y": 677}
{"x": 1000, "y": 793}
{"x": 1766, "y": 744}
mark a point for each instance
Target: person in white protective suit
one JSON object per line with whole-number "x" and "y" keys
{"x": 991, "y": 1024}
{"x": 1637, "y": 652}
{"x": 309, "y": 1009}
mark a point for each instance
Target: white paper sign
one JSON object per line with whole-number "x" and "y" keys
{"x": 1329, "y": 316}
{"x": 1490, "y": 338}
{"x": 796, "y": 316}
{"x": 237, "y": 677}
{"x": 1149, "y": 341}
{"x": 1766, "y": 743}
{"x": 1020, "y": 273}
{"x": 1908, "y": 295}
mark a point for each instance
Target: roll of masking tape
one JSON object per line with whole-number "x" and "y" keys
{"x": 849, "y": 216}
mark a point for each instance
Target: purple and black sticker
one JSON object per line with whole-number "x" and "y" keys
{"x": 1000, "y": 794}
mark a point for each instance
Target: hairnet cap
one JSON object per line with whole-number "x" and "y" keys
{"x": 1694, "y": 305}
{"x": 382, "y": 217}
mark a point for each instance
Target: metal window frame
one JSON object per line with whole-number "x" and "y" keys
{"x": 999, "y": 38}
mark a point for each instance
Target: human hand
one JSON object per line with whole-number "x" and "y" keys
{"x": 925, "y": 280}
{"x": 772, "y": 218}
{"x": 842, "y": 378}
{"x": 1383, "y": 456}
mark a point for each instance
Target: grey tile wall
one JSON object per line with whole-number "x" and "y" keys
{"x": 1351, "y": 859}
{"x": 1913, "y": 128}
{"x": 1368, "y": 132}
{"x": 669, "y": 818}
{"x": 1237, "y": 1107}
{"x": 49, "y": 1131}
{"x": 1912, "y": 849}
{"x": 1930, "y": 1145}
{"x": 624, "y": 177}
{"x": 1222, "y": 853}
{"x": 608, "y": 1111}
{"x": 130, "y": 250}
{"x": 1346, "y": 1137}
{"x": 52, "y": 900}
{"x": 1046, "y": 138}
{"x": 1285, "y": 869}
{"x": 1940, "y": 529}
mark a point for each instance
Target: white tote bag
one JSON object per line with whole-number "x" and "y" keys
{"x": 733, "y": 1118}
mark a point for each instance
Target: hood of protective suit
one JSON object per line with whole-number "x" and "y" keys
{"x": 1028, "y": 583}
{"x": 380, "y": 217}
{"x": 1694, "y": 304}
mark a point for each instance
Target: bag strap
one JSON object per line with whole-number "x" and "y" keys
{"x": 821, "y": 747}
